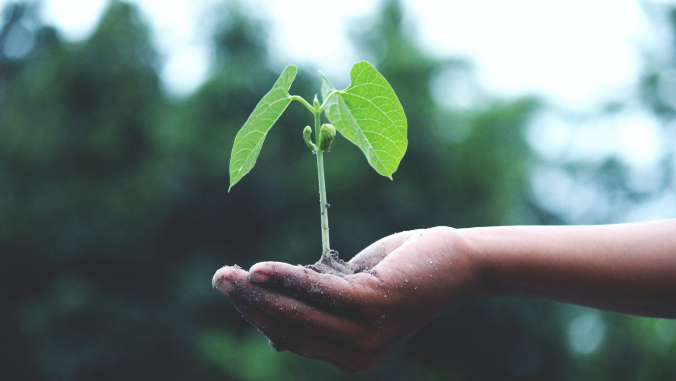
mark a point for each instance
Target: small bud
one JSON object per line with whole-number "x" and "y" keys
{"x": 326, "y": 135}
{"x": 307, "y": 133}
{"x": 315, "y": 103}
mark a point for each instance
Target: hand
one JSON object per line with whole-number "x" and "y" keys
{"x": 355, "y": 322}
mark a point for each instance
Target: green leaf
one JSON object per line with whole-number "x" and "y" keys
{"x": 250, "y": 137}
{"x": 327, "y": 87}
{"x": 369, "y": 114}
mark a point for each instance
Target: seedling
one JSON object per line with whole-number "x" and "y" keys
{"x": 367, "y": 113}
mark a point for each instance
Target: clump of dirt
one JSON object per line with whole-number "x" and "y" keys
{"x": 333, "y": 265}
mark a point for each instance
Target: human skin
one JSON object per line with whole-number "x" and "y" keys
{"x": 355, "y": 322}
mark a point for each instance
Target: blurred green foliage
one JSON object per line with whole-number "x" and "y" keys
{"x": 114, "y": 214}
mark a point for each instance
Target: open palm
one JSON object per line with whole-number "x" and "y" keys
{"x": 356, "y": 321}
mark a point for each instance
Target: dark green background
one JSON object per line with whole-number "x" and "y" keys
{"x": 114, "y": 212}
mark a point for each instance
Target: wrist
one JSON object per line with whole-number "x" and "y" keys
{"x": 475, "y": 244}
{"x": 464, "y": 270}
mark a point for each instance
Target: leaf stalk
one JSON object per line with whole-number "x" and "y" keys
{"x": 304, "y": 102}
{"x": 326, "y": 101}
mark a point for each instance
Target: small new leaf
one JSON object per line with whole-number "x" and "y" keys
{"x": 250, "y": 137}
{"x": 326, "y": 135}
{"x": 369, "y": 114}
{"x": 307, "y": 136}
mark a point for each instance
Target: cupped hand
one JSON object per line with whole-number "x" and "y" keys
{"x": 355, "y": 322}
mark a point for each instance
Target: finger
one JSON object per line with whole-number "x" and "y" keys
{"x": 234, "y": 282}
{"x": 308, "y": 319}
{"x": 346, "y": 357}
{"x": 377, "y": 251}
{"x": 228, "y": 278}
{"x": 332, "y": 292}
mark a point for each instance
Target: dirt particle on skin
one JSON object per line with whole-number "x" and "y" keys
{"x": 237, "y": 267}
{"x": 287, "y": 282}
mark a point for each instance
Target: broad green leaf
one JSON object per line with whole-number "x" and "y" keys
{"x": 369, "y": 114}
{"x": 327, "y": 87}
{"x": 250, "y": 137}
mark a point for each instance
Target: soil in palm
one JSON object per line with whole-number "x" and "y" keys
{"x": 333, "y": 265}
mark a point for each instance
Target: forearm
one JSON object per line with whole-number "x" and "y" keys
{"x": 629, "y": 268}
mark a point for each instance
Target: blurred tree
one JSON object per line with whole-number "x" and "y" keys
{"x": 83, "y": 197}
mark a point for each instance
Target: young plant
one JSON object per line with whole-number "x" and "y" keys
{"x": 367, "y": 113}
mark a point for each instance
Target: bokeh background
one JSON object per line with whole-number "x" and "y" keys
{"x": 114, "y": 210}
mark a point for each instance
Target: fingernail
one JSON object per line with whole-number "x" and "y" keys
{"x": 259, "y": 278}
{"x": 222, "y": 285}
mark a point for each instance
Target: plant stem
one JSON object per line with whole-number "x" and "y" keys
{"x": 326, "y": 249}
